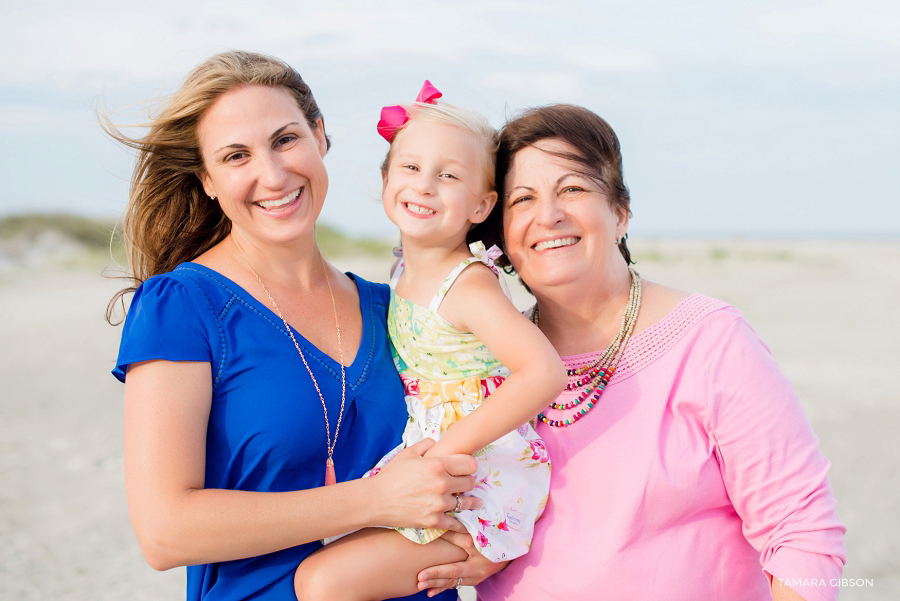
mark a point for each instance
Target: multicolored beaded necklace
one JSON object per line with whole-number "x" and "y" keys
{"x": 592, "y": 378}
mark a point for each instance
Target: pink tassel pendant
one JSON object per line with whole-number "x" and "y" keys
{"x": 329, "y": 472}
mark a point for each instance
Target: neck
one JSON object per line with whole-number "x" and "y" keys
{"x": 419, "y": 256}
{"x": 584, "y": 316}
{"x": 297, "y": 266}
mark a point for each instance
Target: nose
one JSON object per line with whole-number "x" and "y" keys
{"x": 272, "y": 174}
{"x": 549, "y": 211}
{"x": 423, "y": 185}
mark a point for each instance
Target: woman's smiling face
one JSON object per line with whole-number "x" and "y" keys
{"x": 263, "y": 162}
{"x": 558, "y": 224}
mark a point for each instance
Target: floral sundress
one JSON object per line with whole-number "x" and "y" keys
{"x": 446, "y": 375}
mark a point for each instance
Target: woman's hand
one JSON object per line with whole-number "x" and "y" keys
{"x": 467, "y": 573}
{"x": 417, "y": 491}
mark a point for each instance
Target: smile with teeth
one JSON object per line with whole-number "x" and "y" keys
{"x": 557, "y": 243}
{"x": 279, "y": 202}
{"x": 418, "y": 209}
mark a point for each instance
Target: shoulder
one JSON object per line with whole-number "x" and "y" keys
{"x": 665, "y": 308}
{"x": 377, "y": 291}
{"x": 173, "y": 285}
{"x": 477, "y": 273}
{"x": 694, "y": 327}
{"x": 188, "y": 289}
{"x": 476, "y": 294}
{"x": 476, "y": 283}
{"x": 376, "y": 295}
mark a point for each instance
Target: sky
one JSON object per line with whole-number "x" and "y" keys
{"x": 736, "y": 118}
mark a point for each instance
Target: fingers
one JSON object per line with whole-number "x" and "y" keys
{"x": 420, "y": 448}
{"x": 454, "y": 526}
{"x": 440, "y": 578}
{"x": 467, "y": 502}
{"x": 460, "y": 465}
{"x": 461, "y": 539}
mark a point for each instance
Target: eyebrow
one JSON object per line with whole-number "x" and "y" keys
{"x": 558, "y": 182}
{"x": 271, "y": 138}
{"x": 418, "y": 156}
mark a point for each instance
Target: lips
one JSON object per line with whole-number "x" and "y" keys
{"x": 279, "y": 202}
{"x": 418, "y": 209}
{"x": 556, "y": 243}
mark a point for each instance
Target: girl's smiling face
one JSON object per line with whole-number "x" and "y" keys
{"x": 263, "y": 162}
{"x": 434, "y": 186}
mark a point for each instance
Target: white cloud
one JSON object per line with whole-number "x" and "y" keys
{"x": 57, "y": 43}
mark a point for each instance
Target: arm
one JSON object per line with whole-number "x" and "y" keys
{"x": 771, "y": 466}
{"x": 477, "y": 304}
{"x": 782, "y": 593}
{"x": 178, "y": 522}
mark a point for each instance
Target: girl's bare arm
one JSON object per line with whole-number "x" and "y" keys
{"x": 476, "y": 304}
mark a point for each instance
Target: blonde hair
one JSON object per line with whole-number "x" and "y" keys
{"x": 463, "y": 118}
{"x": 169, "y": 219}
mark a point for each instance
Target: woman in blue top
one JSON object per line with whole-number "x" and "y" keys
{"x": 254, "y": 371}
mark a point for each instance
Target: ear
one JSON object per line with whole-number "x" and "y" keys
{"x": 206, "y": 182}
{"x": 319, "y": 135}
{"x": 484, "y": 207}
{"x": 621, "y": 221}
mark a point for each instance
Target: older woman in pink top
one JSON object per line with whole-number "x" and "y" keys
{"x": 683, "y": 465}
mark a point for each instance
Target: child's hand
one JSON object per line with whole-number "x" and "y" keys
{"x": 417, "y": 491}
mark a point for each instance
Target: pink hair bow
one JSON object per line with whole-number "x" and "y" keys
{"x": 395, "y": 117}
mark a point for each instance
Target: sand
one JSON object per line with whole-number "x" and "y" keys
{"x": 827, "y": 309}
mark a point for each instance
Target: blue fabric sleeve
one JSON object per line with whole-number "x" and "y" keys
{"x": 166, "y": 320}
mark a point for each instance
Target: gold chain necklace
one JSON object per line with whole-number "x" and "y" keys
{"x": 592, "y": 378}
{"x": 329, "y": 462}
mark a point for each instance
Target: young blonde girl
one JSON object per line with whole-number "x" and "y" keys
{"x": 475, "y": 370}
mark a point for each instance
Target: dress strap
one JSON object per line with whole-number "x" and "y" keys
{"x": 479, "y": 255}
{"x": 398, "y": 266}
{"x": 448, "y": 282}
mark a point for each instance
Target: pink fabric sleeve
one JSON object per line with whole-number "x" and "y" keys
{"x": 774, "y": 473}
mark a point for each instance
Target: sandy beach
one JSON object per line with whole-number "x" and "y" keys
{"x": 827, "y": 309}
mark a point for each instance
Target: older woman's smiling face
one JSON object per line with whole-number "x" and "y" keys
{"x": 558, "y": 224}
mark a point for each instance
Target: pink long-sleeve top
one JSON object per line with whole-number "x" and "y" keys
{"x": 696, "y": 476}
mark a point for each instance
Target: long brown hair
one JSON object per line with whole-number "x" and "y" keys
{"x": 596, "y": 149}
{"x": 169, "y": 219}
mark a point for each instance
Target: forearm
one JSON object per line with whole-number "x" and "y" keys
{"x": 519, "y": 399}
{"x": 212, "y": 525}
{"x": 781, "y": 592}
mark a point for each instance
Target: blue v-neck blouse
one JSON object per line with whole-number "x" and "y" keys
{"x": 266, "y": 429}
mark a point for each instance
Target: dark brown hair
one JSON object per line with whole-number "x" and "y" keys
{"x": 596, "y": 149}
{"x": 169, "y": 219}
